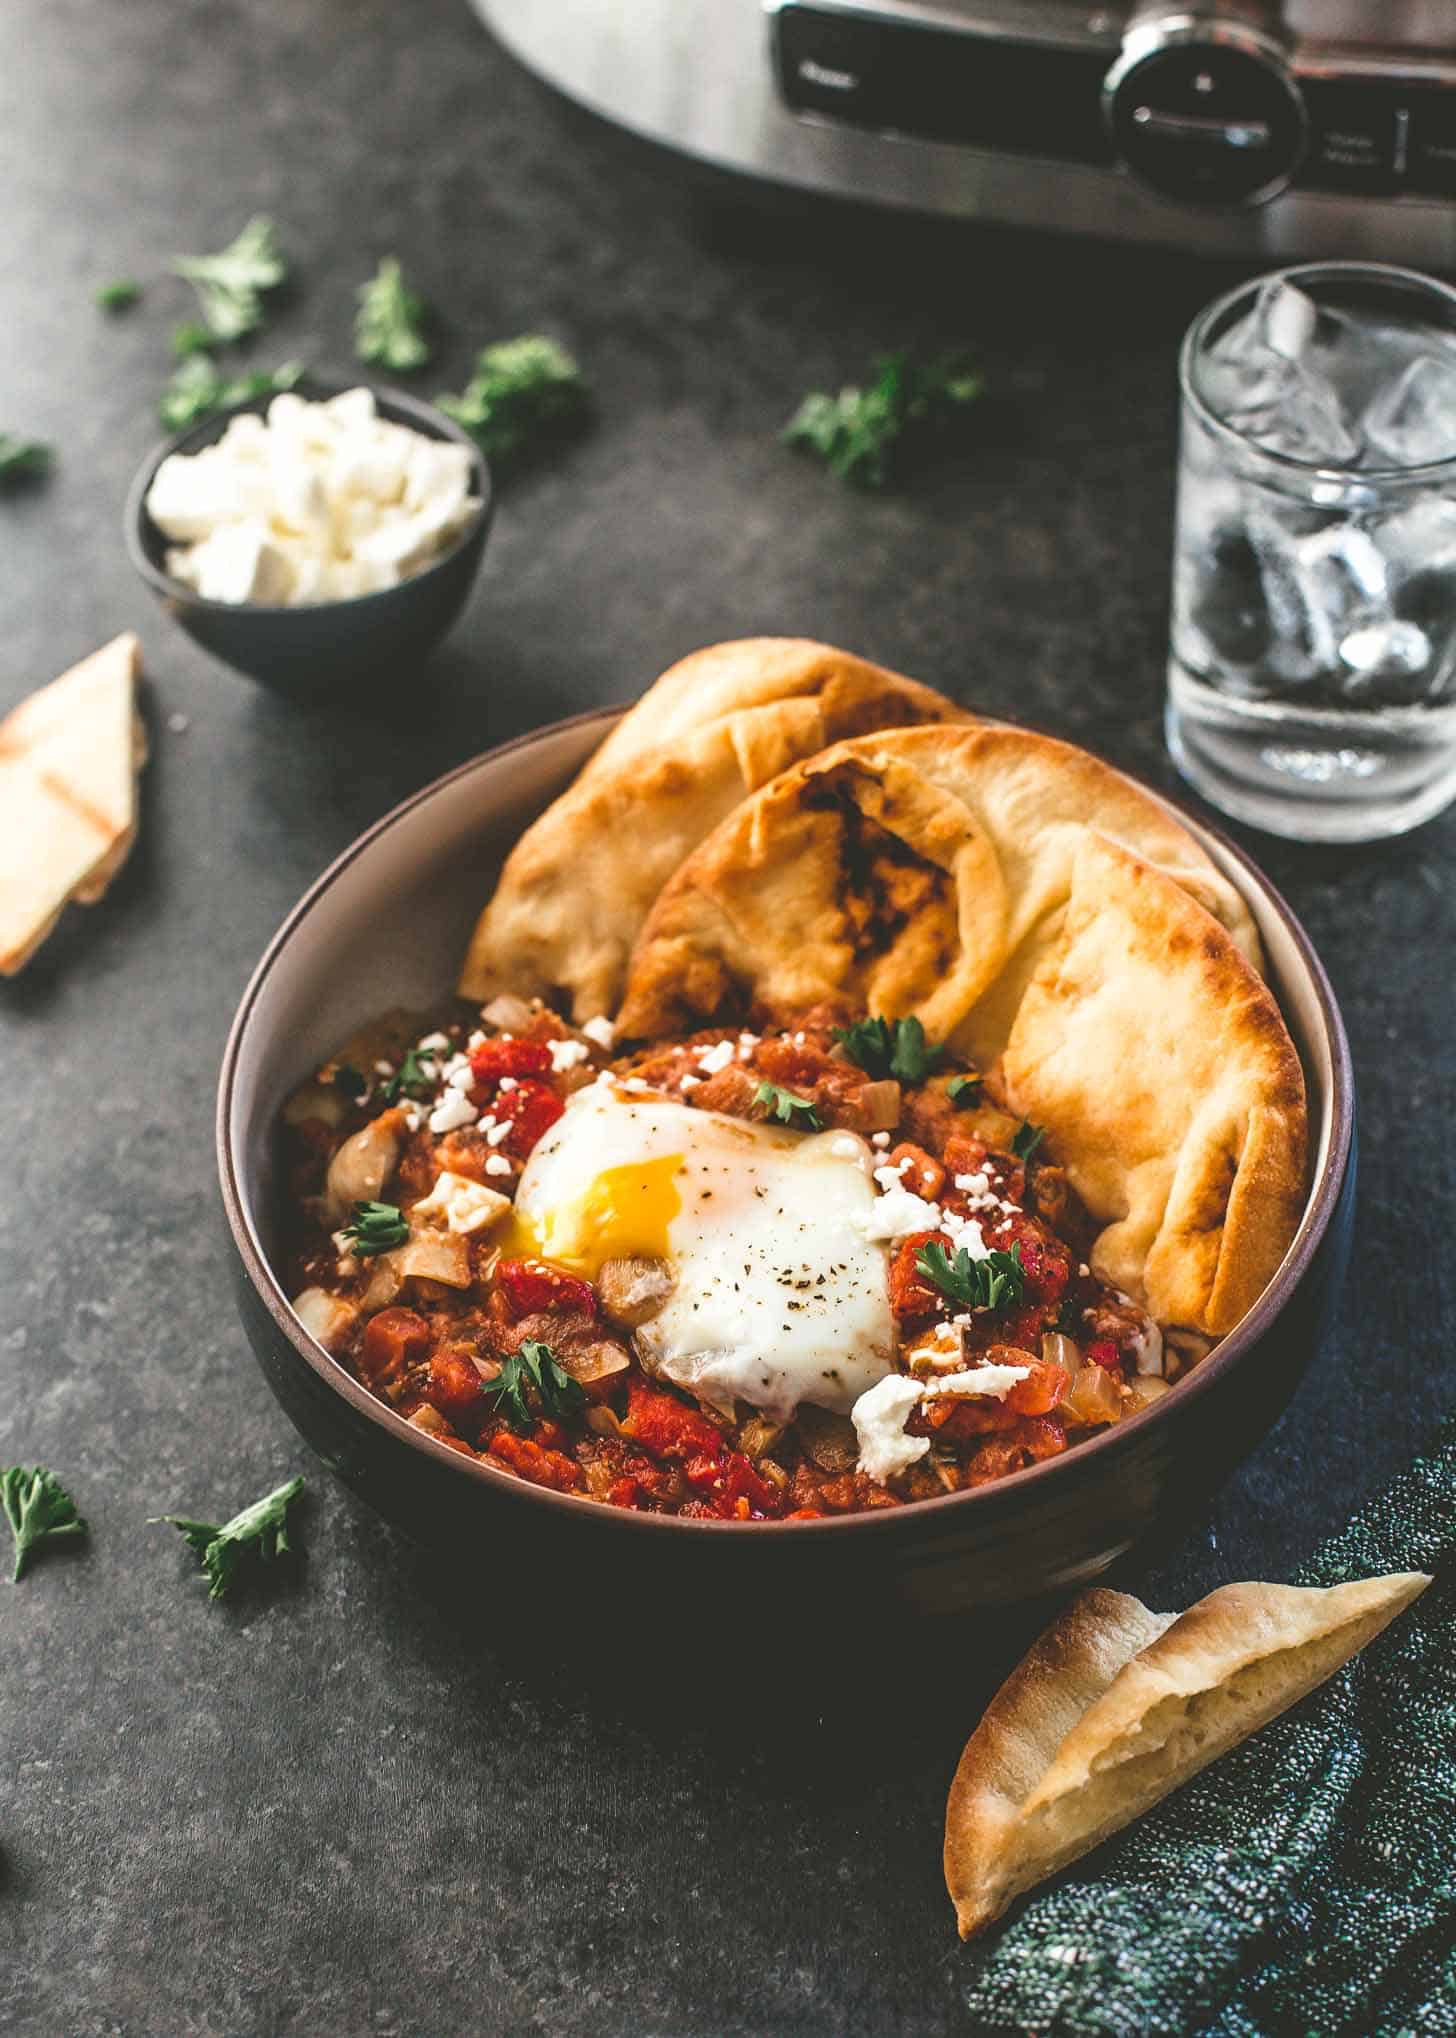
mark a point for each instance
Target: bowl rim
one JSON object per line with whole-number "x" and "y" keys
{"x": 1320, "y": 1205}
{"x": 415, "y": 412}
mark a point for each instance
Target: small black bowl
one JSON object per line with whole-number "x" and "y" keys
{"x": 322, "y": 646}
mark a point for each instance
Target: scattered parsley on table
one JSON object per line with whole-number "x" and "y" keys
{"x": 863, "y": 433}
{"x": 39, "y": 1511}
{"x": 120, "y": 295}
{"x": 199, "y": 387}
{"x": 389, "y": 327}
{"x": 230, "y": 284}
{"x": 256, "y": 1535}
{"x": 524, "y": 393}
{"x": 22, "y": 459}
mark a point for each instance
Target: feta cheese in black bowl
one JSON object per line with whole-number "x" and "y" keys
{"x": 316, "y": 538}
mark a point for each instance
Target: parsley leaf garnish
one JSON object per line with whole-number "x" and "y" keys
{"x": 260, "y": 1531}
{"x": 964, "y": 1091}
{"x": 860, "y": 434}
{"x": 199, "y": 387}
{"x": 408, "y": 1080}
{"x": 884, "y": 1047}
{"x": 389, "y": 327}
{"x": 995, "y": 1282}
{"x": 1026, "y": 1139}
{"x": 229, "y": 284}
{"x": 38, "y": 1509}
{"x": 376, "y": 1228}
{"x": 523, "y": 394}
{"x": 534, "y": 1365}
{"x": 118, "y": 296}
{"x": 782, "y": 1104}
{"x": 22, "y": 459}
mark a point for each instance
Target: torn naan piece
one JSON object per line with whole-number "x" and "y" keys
{"x": 579, "y": 884}
{"x": 69, "y": 758}
{"x": 1114, "y": 1706}
{"x": 920, "y": 871}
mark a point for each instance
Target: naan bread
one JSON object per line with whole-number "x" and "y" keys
{"x": 1033, "y": 907}
{"x": 69, "y": 758}
{"x": 1113, "y": 1707}
{"x": 578, "y": 886}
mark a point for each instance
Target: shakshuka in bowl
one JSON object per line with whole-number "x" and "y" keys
{"x": 861, "y": 1149}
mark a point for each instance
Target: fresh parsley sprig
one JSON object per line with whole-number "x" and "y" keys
{"x": 376, "y": 1228}
{"x": 890, "y": 1047}
{"x": 783, "y": 1104}
{"x": 22, "y": 459}
{"x": 523, "y": 394}
{"x": 408, "y": 1080}
{"x": 259, "y": 1533}
{"x": 995, "y": 1282}
{"x": 118, "y": 296}
{"x": 1026, "y": 1139}
{"x": 861, "y": 433}
{"x": 230, "y": 284}
{"x": 964, "y": 1091}
{"x": 389, "y": 327}
{"x": 198, "y": 387}
{"x": 534, "y": 1365}
{"x": 38, "y": 1509}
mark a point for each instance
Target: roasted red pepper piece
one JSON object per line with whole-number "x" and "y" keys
{"x": 508, "y": 1057}
{"x": 530, "y": 1109}
{"x": 394, "y": 1340}
{"x": 530, "y": 1285}
{"x": 1033, "y": 1439}
{"x": 1103, "y": 1352}
{"x": 667, "y": 1427}
{"x": 910, "y": 1293}
{"x": 528, "y": 1460}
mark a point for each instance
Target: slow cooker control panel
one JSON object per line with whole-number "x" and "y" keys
{"x": 1200, "y": 105}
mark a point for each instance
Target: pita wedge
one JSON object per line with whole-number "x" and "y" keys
{"x": 578, "y": 886}
{"x": 1060, "y": 928}
{"x": 1113, "y": 1707}
{"x": 69, "y": 758}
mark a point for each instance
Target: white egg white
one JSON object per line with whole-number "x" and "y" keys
{"x": 781, "y": 1294}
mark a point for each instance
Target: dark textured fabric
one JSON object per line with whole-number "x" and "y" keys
{"x": 1306, "y": 1883}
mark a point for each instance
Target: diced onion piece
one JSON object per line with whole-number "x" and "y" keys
{"x": 758, "y": 1435}
{"x": 632, "y": 1290}
{"x": 1145, "y": 1391}
{"x": 314, "y": 1100}
{"x": 1094, "y": 1396}
{"x": 430, "y": 1421}
{"x": 384, "y": 1284}
{"x": 1063, "y": 1352}
{"x": 325, "y": 1316}
{"x": 433, "y": 1256}
{"x": 873, "y": 1107}
{"x": 588, "y": 1362}
{"x": 362, "y": 1166}
{"x": 604, "y": 1421}
{"x": 508, "y": 1012}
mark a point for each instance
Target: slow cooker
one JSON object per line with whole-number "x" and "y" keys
{"x": 1312, "y": 127}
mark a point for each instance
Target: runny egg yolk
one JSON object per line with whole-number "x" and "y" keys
{"x": 623, "y": 1214}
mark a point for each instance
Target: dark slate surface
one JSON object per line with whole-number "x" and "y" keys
{"x": 348, "y": 1806}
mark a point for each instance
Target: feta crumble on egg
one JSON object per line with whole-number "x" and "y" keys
{"x": 322, "y": 502}
{"x": 600, "y": 1031}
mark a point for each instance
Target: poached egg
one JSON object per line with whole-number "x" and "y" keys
{"x": 781, "y": 1292}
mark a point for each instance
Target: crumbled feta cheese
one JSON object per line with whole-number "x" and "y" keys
{"x": 898, "y": 1213}
{"x": 454, "y": 1110}
{"x": 712, "y": 1060}
{"x": 891, "y": 1174}
{"x": 497, "y": 1164}
{"x": 414, "y": 1117}
{"x": 600, "y": 1031}
{"x": 495, "y": 1129}
{"x": 994, "y": 1380}
{"x": 506, "y": 1084}
{"x": 1147, "y": 1350}
{"x": 431, "y": 1043}
{"x": 688, "y": 1082}
{"x": 880, "y": 1139}
{"x": 879, "y": 1418}
{"x": 977, "y": 1184}
{"x": 320, "y": 502}
{"x": 636, "y": 1085}
{"x": 567, "y": 1054}
{"x": 965, "y": 1235}
{"x": 465, "y": 1205}
{"x": 477, "y": 1039}
{"x": 384, "y": 1068}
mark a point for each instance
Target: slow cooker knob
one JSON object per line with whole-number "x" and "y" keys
{"x": 1202, "y": 107}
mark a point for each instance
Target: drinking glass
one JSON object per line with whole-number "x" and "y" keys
{"x": 1312, "y": 671}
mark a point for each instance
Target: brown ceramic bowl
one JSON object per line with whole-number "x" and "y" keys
{"x": 387, "y": 925}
